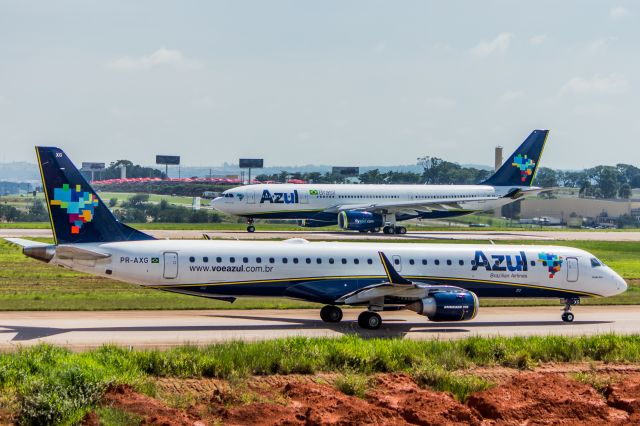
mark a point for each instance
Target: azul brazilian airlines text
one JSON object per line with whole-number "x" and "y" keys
{"x": 370, "y": 208}
{"x": 439, "y": 281}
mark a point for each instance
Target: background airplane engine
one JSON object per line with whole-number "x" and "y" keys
{"x": 447, "y": 306}
{"x": 359, "y": 221}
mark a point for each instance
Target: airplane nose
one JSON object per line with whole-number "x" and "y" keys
{"x": 621, "y": 284}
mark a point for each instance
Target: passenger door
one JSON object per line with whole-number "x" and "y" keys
{"x": 572, "y": 269}
{"x": 170, "y": 265}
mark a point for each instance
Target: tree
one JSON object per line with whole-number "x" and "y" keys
{"x": 624, "y": 191}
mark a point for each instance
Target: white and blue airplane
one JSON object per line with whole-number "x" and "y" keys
{"x": 440, "y": 281}
{"x": 370, "y": 208}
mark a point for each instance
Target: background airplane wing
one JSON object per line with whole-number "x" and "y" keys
{"x": 415, "y": 205}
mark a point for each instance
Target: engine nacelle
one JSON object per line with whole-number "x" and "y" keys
{"x": 359, "y": 221}
{"x": 447, "y": 306}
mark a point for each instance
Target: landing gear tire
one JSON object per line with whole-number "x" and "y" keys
{"x": 251, "y": 228}
{"x": 401, "y": 230}
{"x": 567, "y": 317}
{"x": 389, "y": 229}
{"x": 375, "y": 230}
{"x": 331, "y": 313}
{"x": 369, "y": 320}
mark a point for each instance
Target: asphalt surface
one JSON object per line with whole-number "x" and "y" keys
{"x": 161, "y": 329}
{"x": 548, "y": 235}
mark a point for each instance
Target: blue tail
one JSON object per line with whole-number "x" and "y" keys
{"x": 77, "y": 213}
{"x": 520, "y": 169}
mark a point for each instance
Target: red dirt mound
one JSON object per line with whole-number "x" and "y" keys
{"x": 625, "y": 395}
{"x": 544, "y": 399}
{"x": 152, "y": 411}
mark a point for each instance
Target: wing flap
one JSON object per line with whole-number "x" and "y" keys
{"x": 77, "y": 253}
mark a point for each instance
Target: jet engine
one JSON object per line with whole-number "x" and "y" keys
{"x": 355, "y": 220}
{"x": 447, "y": 306}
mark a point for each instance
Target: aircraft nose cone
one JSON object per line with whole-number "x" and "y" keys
{"x": 621, "y": 284}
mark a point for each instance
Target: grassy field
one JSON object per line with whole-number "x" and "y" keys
{"x": 26, "y": 284}
{"x": 51, "y": 385}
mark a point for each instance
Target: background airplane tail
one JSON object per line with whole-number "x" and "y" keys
{"x": 77, "y": 213}
{"x": 520, "y": 168}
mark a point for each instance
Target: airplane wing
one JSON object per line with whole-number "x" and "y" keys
{"x": 396, "y": 288}
{"x": 442, "y": 204}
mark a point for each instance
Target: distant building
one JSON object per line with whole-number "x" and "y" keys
{"x": 591, "y": 209}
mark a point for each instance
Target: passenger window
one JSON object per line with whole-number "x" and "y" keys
{"x": 232, "y": 259}
{"x": 448, "y": 261}
{"x": 258, "y": 260}
{"x": 245, "y": 260}
{"x": 460, "y": 262}
{"x": 295, "y": 260}
{"x": 318, "y": 261}
{"x": 205, "y": 259}
{"x": 424, "y": 261}
{"x": 192, "y": 259}
{"x": 356, "y": 261}
{"x": 437, "y": 262}
{"x": 284, "y": 260}
{"x": 396, "y": 261}
{"x": 219, "y": 259}
{"x": 370, "y": 261}
{"x": 331, "y": 260}
{"x": 308, "y": 260}
{"x": 533, "y": 263}
{"x": 272, "y": 260}
{"x": 411, "y": 262}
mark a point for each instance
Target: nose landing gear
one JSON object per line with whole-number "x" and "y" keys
{"x": 250, "y": 227}
{"x": 567, "y": 315}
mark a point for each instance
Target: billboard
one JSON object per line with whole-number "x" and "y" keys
{"x": 92, "y": 167}
{"x": 168, "y": 159}
{"x": 345, "y": 171}
{"x": 251, "y": 163}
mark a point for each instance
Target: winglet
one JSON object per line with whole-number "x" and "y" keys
{"x": 392, "y": 274}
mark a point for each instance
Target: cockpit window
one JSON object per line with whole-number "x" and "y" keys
{"x": 595, "y": 263}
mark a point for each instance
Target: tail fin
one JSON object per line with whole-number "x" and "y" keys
{"x": 77, "y": 213}
{"x": 520, "y": 169}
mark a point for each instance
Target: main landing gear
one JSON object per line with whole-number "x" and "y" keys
{"x": 250, "y": 227}
{"x": 567, "y": 315}
{"x": 368, "y": 320}
{"x": 331, "y": 313}
{"x": 401, "y": 230}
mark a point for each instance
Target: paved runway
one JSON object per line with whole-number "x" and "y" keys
{"x": 140, "y": 329}
{"x": 343, "y": 235}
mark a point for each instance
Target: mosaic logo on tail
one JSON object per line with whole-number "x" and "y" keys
{"x": 553, "y": 262}
{"x": 80, "y": 205}
{"x": 525, "y": 164}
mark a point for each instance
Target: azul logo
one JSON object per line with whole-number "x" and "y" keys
{"x": 79, "y": 205}
{"x": 552, "y": 261}
{"x": 500, "y": 262}
{"x": 526, "y": 166}
{"x": 280, "y": 197}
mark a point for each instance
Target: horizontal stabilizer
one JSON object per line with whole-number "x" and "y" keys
{"x": 26, "y": 243}
{"x": 77, "y": 253}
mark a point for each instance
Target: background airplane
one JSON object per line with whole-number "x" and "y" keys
{"x": 369, "y": 208}
{"x": 441, "y": 282}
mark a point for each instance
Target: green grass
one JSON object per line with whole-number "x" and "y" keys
{"x": 27, "y": 284}
{"x": 51, "y": 385}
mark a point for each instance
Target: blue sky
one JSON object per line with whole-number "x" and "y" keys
{"x": 331, "y": 82}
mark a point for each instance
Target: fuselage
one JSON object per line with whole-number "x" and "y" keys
{"x": 319, "y": 202}
{"x": 323, "y": 272}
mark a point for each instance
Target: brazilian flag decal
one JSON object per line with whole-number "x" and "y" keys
{"x": 313, "y": 192}
{"x": 155, "y": 260}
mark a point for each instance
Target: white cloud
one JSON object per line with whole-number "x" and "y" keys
{"x": 538, "y": 39}
{"x": 597, "y": 85}
{"x": 498, "y": 45}
{"x": 160, "y": 57}
{"x": 618, "y": 12}
{"x": 601, "y": 45}
{"x": 511, "y": 95}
